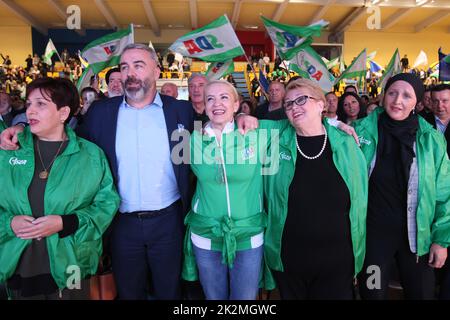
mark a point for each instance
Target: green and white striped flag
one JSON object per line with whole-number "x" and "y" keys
{"x": 309, "y": 64}
{"x": 215, "y": 42}
{"x": 50, "y": 50}
{"x": 289, "y": 39}
{"x": 84, "y": 79}
{"x": 218, "y": 70}
{"x": 105, "y": 51}
{"x": 392, "y": 69}
{"x": 357, "y": 69}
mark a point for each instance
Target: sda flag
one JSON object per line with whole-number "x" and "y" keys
{"x": 218, "y": 70}
{"x": 215, "y": 42}
{"x": 289, "y": 39}
{"x": 105, "y": 51}
{"x": 309, "y": 64}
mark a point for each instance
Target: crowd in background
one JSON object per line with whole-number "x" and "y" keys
{"x": 407, "y": 109}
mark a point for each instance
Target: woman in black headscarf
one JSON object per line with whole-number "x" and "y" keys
{"x": 408, "y": 218}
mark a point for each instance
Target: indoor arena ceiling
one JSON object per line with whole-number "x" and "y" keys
{"x": 156, "y": 15}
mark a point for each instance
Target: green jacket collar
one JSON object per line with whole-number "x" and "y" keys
{"x": 370, "y": 124}
{"x": 26, "y": 141}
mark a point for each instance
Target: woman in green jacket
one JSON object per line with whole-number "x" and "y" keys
{"x": 58, "y": 199}
{"x": 225, "y": 234}
{"x": 316, "y": 203}
{"x": 408, "y": 219}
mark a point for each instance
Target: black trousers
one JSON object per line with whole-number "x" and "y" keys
{"x": 325, "y": 285}
{"x": 148, "y": 246}
{"x": 445, "y": 279}
{"x": 416, "y": 276}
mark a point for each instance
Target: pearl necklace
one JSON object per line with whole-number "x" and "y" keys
{"x": 321, "y": 150}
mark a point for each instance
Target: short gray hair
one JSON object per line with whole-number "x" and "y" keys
{"x": 140, "y": 46}
{"x": 196, "y": 75}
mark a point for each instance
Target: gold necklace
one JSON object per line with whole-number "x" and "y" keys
{"x": 44, "y": 173}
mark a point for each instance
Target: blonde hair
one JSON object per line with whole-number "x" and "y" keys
{"x": 313, "y": 88}
{"x": 233, "y": 90}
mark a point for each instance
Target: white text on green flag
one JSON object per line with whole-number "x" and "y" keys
{"x": 105, "y": 51}
{"x": 309, "y": 64}
{"x": 357, "y": 69}
{"x": 218, "y": 70}
{"x": 216, "y": 42}
{"x": 50, "y": 50}
{"x": 289, "y": 39}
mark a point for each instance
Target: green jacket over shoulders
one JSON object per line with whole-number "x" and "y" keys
{"x": 80, "y": 182}
{"x": 351, "y": 165}
{"x": 429, "y": 182}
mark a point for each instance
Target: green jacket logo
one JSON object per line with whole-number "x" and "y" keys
{"x": 17, "y": 162}
{"x": 364, "y": 140}
{"x": 284, "y": 156}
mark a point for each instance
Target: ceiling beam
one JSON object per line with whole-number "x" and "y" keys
{"x": 350, "y": 19}
{"x": 107, "y": 13}
{"x": 24, "y": 15}
{"x": 236, "y": 13}
{"x": 435, "y": 18}
{"x": 194, "y": 15}
{"x": 395, "y": 17}
{"x": 151, "y": 17}
{"x": 321, "y": 11}
{"x": 280, "y": 10}
{"x": 63, "y": 15}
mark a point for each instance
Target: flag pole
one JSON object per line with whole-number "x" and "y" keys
{"x": 254, "y": 72}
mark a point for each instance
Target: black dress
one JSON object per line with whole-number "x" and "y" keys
{"x": 316, "y": 244}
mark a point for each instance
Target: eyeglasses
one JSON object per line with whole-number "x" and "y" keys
{"x": 299, "y": 101}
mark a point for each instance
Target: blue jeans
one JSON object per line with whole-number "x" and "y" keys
{"x": 220, "y": 282}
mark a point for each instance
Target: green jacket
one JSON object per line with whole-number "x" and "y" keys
{"x": 2, "y": 126}
{"x": 80, "y": 183}
{"x": 227, "y": 207}
{"x": 350, "y": 163}
{"x": 431, "y": 203}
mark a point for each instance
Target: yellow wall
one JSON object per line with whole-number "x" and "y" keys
{"x": 385, "y": 44}
{"x": 16, "y": 42}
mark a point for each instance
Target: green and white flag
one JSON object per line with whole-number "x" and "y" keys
{"x": 218, "y": 70}
{"x": 371, "y": 56}
{"x": 309, "y": 64}
{"x": 357, "y": 69}
{"x": 105, "y": 51}
{"x": 84, "y": 79}
{"x": 50, "y": 50}
{"x": 215, "y": 42}
{"x": 289, "y": 39}
{"x": 392, "y": 69}
{"x": 332, "y": 63}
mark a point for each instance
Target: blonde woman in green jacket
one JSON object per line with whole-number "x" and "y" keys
{"x": 316, "y": 203}
{"x": 408, "y": 219}
{"x": 58, "y": 199}
{"x": 225, "y": 228}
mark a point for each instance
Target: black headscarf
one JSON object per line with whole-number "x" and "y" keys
{"x": 403, "y": 131}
